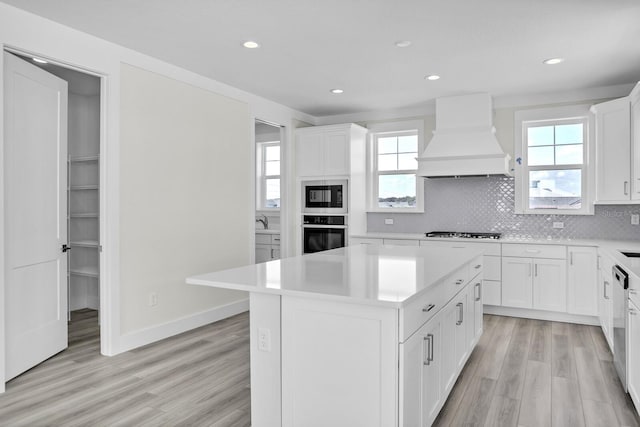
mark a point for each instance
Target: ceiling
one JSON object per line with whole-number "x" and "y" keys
{"x": 309, "y": 47}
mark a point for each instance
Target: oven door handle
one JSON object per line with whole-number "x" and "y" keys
{"x": 341, "y": 227}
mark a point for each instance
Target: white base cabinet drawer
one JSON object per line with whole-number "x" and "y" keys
{"x": 534, "y": 251}
{"x": 364, "y": 241}
{"x": 402, "y": 242}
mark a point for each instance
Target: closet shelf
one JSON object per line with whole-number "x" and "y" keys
{"x": 85, "y": 271}
{"x": 84, "y": 159}
{"x": 83, "y": 187}
{"x": 85, "y": 215}
{"x": 85, "y": 243}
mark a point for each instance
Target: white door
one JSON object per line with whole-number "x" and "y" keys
{"x": 35, "y": 108}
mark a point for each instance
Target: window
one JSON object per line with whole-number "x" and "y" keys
{"x": 394, "y": 183}
{"x": 552, "y": 161}
{"x": 269, "y": 175}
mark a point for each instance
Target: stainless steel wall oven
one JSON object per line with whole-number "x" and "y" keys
{"x": 323, "y": 232}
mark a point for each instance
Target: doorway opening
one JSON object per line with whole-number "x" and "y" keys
{"x": 269, "y": 190}
{"x": 81, "y": 229}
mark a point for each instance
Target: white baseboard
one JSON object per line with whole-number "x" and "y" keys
{"x": 152, "y": 334}
{"x": 541, "y": 315}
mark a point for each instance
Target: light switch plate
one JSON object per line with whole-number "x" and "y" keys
{"x": 388, "y": 221}
{"x": 558, "y": 224}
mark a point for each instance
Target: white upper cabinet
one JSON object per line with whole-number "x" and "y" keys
{"x": 326, "y": 151}
{"x": 613, "y": 151}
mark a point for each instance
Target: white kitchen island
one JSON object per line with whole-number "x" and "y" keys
{"x": 358, "y": 336}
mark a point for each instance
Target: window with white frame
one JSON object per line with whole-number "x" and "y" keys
{"x": 269, "y": 175}
{"x": 553, "y": 173}
{"x": 394, "y": 183}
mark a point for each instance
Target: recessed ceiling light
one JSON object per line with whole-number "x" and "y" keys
{"x": 337, "y": 91}
{"x": 250, "y": 44}
{"x": 432, "y": 77}
{"x": 403, "y": 43}
{"x": 40, "y": 61}
{"x": 553, "y": 61}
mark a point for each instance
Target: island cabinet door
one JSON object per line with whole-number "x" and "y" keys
{"x": 420, "y": 387}
{"x": 476, "y": 295}
{"x": 455, "y": 345}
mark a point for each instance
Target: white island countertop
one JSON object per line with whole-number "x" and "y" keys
{"x": 389, "y": 276}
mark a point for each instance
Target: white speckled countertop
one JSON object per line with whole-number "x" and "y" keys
{"x": 366, "y": 274}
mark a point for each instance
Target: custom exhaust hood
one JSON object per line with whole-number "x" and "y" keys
{"x": 464, "y": 142}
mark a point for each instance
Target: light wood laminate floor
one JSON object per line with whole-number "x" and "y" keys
{"x": 197, "y": 378}
{"x": 522, "y": 373}
{"x": 536, "y": 373}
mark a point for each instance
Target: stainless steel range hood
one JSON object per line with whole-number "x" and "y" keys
{"x": 464, "y": 142}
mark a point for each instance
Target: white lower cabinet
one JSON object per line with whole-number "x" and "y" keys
{"x": 534, "y": 283}
{"x": 582, "y": 280}
{"x": 478, "y": 302}
{"x": 267, "y": 247}
{"x": 432, "y": 358}
{"x": 422, "y": 359}
{"x": 633, "y": 373}
{"x": 605, "y": 302}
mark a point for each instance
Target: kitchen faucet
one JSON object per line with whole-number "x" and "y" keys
{"x": 264, "y": 220}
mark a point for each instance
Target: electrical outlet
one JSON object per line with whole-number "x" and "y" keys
{"x": 264, "y": 339}
{"x": 635, "y": 219}
{"x": 388, "y": 221}
{"x": 153, "y": 299}
{"x": 558, "y": 224}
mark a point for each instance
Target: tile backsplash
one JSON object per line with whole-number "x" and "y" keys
{"x": 487, "y": 205}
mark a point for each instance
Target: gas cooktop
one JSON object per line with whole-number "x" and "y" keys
{"x": 463, "y": 235}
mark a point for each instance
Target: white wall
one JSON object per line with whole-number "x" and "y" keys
{"x": 185, "y": 173}
{"x": 29, "y": 33}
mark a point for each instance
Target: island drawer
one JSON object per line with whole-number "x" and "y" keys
{"x": 535, "y": 251}
{"x": 475, "y": 267}
{"x": 430, "y": 302}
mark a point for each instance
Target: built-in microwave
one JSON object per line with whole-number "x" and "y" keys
{"x": 329, "y": 196}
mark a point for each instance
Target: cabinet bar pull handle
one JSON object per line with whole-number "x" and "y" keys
{"x": 535, "y": 273}
{"x": 532, "y": 251}
{"x": 598, "y": 262}
{"x": 425, "y": 350}
{"x": 428, "y": 308}
{"x": 460, "y": 313}
{"x": 478, "y": 266}
{"x": 570, "y": 258}
{"x": 459, "y": 281}
{"x": 626, "y": 188}
{"x": 633, "y": 312}
{"x": 431, "y": 344}
{"x": 529, "y": 270}
{"x": 479, "y": 287}
{"x": 271, "y": 253}
{"x": 605, "y": 290}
